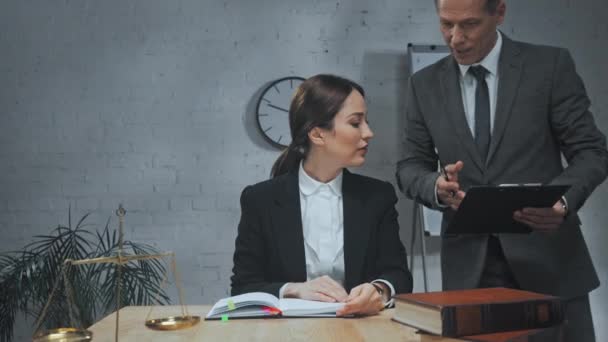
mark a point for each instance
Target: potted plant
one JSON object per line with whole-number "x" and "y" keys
{"x": 87, "y": 292}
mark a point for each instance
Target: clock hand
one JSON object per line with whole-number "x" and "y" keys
{"x": 277, "y": 108}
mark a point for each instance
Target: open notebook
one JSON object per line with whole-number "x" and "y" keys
{"x": 260, "y": 304}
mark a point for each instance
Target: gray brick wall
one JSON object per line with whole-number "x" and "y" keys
{"x": 149, "y": 103}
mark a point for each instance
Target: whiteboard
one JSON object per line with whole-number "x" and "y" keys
{"x": 424, "y": 55}
{"x": 421, "y": 56}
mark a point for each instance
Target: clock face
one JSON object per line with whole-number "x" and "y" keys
{"x": 273, "y": 110}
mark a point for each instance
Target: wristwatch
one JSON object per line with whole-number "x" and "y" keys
{"x": 564, "y": 205}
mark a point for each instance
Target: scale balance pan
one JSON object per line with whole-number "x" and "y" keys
{"x": 63, "y": 335}
{"x": 173, "y": 322}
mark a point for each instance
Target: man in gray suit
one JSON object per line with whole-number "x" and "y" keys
{"x": 499, "y": 111}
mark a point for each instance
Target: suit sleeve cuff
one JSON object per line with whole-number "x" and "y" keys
{"x": 439, "y": 204}
{"x": 390, "y": 302}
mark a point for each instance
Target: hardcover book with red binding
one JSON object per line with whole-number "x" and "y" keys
{"x": 478, "y": 311}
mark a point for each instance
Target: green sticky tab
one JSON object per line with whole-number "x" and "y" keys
{"x": 230, "y": 305}
{"x": 224, "y": 318}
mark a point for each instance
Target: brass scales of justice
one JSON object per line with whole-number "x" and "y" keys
{"x": 74, "y": 333}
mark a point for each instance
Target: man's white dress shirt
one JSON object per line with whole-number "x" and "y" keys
{"x": 468, "y": 84}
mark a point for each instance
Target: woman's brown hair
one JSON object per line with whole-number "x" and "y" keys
{"x": 315, "y": 104}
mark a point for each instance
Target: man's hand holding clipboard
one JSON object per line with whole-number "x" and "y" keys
{"x": 543, "y": 219}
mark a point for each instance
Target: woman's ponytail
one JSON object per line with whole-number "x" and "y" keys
{"x": 288, "y": 161}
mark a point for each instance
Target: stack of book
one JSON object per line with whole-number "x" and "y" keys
{"x": 553, "y": 334}
{"x": 493, "y": 314}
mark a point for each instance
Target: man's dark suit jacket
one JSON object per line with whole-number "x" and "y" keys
{"x": 542, "y": 110}
{"x": 270, "y": 244}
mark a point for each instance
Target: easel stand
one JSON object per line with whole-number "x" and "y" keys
{"x": 417, "y": 225}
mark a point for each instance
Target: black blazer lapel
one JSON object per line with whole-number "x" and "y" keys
{"x": 454, "y": 109}
{"x": 356, "y": 231}
{"x": 287, "y": 225}
{"x": 509, "y": 73}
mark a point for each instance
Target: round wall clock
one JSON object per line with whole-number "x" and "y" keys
{"x": 272, "y": 111}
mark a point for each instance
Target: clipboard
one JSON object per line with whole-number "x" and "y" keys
{"x": 489, "y": 209}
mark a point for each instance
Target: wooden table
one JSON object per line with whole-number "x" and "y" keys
{"x": 132, "y": 328}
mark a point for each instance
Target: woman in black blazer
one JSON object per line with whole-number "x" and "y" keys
{"x": 314, "y": 230}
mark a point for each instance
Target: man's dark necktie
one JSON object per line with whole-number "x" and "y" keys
{"x": 482, "y": 111}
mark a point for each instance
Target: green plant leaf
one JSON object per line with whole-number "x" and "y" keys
{"x": 28, "y": 276}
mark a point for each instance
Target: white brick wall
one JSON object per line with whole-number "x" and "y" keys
{"x": 149, "y": 104}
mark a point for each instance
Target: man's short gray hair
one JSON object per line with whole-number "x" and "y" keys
{"x": 490, "y": 7}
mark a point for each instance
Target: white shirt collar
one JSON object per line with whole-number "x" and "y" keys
{"x": 309, "y": 185}
{"x": 490, "y": 62}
